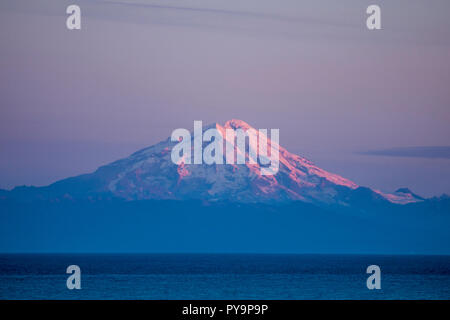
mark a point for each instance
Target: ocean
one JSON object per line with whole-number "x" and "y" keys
{"x": 223, "y": 276}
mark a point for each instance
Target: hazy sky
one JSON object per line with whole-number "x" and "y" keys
{"x": 74, "y": 100}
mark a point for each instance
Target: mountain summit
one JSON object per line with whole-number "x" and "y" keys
{"x": 150, "y": 174}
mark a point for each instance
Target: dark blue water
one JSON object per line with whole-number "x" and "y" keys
{"x": 199, "y": 276}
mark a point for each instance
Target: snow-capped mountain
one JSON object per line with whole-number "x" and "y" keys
{"x": 151, "y": 174}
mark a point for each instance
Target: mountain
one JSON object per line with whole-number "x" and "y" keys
{"x": 150, "y": 174}
{"x": 224, "y": 208}
{"x": 406, "y": 191}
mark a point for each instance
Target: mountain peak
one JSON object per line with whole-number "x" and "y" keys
{"x": 151, "y": 174}
{"x": 403, "y": 190}
{"x": 407, "y": 191}
{"x": 237, "y": 124}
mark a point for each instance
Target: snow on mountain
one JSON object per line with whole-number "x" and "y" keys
{"x": 151, "y": 174}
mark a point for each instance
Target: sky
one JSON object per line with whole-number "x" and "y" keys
{"x": 340, "y": 94}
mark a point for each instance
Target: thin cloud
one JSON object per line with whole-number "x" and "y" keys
{"x": 259, "y": 15}
{"x": 436, "y": 152}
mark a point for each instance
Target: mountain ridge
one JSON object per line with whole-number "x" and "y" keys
{"x": 149, "y": 173}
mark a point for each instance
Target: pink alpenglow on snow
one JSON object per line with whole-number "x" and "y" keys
{"x": 227, "y": 145}
{"x": 230, "y": 171}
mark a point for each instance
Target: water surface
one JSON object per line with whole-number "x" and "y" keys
{"x": 223, "y": 276}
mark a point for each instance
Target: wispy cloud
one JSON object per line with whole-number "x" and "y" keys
{"x": 442, "y": 152}
{"x": 210, "y": 15}
{"x": 302, "y": 20}
{"x": 242, "y": 13}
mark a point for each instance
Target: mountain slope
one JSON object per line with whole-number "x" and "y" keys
{"x": 150, "y": 174}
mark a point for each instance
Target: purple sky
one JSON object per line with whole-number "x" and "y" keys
{"x": 74, "y": 100}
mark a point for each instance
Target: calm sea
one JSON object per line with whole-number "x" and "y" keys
{"x": 223, "y": 276}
